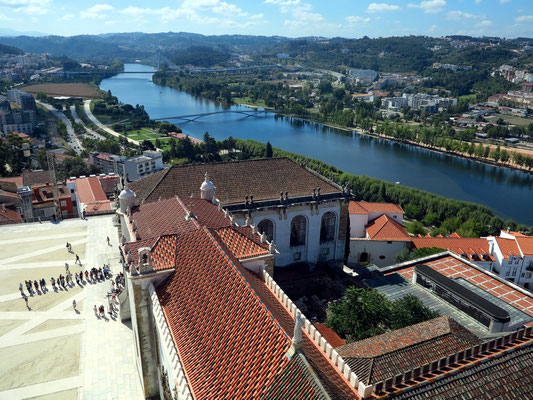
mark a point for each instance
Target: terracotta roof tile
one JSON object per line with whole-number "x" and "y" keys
{"x": 385, "y": 228}
{"x": 507, "y": 377}
{"x": 89, "y": 190}
{"x": 31, "y": 178}
{"x": 233, "y": 180}
{"x": 9, "y": 216}
{"x": 363, "y": 207}
{"x": 508, "y": 247}
{"x": 476, "y": 249}
{"x": 109, "y": 183}
{"x": 330, "y": 335}
{"x": 384, "y": 356}
{"x": 17, "y": 180}
{"x": 229, "y": 343}
{"x": 242, "y": 242}
{"x": 526, "y": 244}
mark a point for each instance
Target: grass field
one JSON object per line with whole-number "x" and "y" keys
{"x": 511, "y": 119}
{"x": 64, "y": 89}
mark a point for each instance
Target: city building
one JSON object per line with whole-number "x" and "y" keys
{"x": 90, "y": 198}
{"x": 23, "y": 99}
{"x": 146, "y": 164}
{"x": 303, "y": 213}
{"x": 107, "y": 163}
{"x": 43, "y": 203}
{"x": 209, "y": 321}
{"x": 17, "y": 120}
{"x": 363, "y": 76}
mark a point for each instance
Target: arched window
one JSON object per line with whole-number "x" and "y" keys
{"x": 298, "y": 230}
{"x": 327, "y": 227}
{"x": 266, "y": 227}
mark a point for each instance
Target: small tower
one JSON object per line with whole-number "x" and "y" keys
{"x": 126, "y": 198}
{"x": 208, "y": 189}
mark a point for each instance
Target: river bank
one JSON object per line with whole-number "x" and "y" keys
{"x": 508, "y": 192}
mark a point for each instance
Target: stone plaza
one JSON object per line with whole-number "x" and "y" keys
{"x": 48, "y": 349}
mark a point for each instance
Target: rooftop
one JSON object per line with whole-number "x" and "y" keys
{"x": 517, "y": 301}
{"x": 363, "y": 207}
{"x": 475, "y": 249}
{"x": 385, "y": 228}
{"x": 508, "y": 247}
{"x": 231, "y": 332}
{"x": 384, "y": 356}
{"x": 233, "y": 180}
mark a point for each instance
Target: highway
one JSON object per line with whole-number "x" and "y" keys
{"x": 78, "y": 120}
{"x": 72, "y": 139}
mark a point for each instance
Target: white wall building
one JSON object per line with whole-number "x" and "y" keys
{"x": 141, "y": 166}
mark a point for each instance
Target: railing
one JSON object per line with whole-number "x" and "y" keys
{"x": 452, "y": 362}
{"x": 176, "y": 369}
{"x": 318, "y": 339}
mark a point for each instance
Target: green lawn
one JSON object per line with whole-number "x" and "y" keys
{"x": 249, "y": 102}
{"x": 511, "y": 119}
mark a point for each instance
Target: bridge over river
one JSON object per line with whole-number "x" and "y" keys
{"x": 194, "y": 117}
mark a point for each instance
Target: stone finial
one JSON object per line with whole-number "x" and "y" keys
{"x": 247, "y": 221}
{"x": 286, "y": 195}
{"x": 226, "y": 213}
{"x": 254, "y": 229}
{"x": 272, "y": 248}
{"x": 262, "y": 237}
{"x": 297, "y": 342}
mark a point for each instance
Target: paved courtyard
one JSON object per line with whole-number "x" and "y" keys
{"x": 53, "y": 351}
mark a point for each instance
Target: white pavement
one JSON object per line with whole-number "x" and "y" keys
{"x": 103, "y": 364}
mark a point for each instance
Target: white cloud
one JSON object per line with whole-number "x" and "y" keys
{"x": 4, "y": 17}
{"x": 97, "y": 11}
{"x": 524, "y": 18}
{"x": 30, "y": 7}
{"x": 484, "y": 24}
{"x": 380, "y": 7}
{"x": 355, "y": 19}
{"x": 458, "y": 15}
{"x": 66, "y": 17}
{"x": 478, "y": 1}
{"x": 430, "y": 6}
{"x": 257, "y": 16}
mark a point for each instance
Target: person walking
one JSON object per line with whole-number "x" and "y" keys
{"x": 21, "y": 289}
{"x": 108, "y": 241}
{"x": 96, "y": 311}
{"x": 74, "y": 305}
{"x": 26, "y": 300}
{"x": 66, "y": 268}
{"x": 36, "y": 285}
{"x": 77, "y": 259}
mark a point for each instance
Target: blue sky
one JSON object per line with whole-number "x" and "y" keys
{"x": 347, "y": 18}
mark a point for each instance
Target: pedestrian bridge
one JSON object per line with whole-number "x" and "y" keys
{"x": 194, "y": 117}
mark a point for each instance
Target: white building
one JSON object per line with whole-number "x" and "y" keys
{"x": 376, "y": 233}
{"x": 137, "y": 167}
{"x": 303, "y": 213}
{"x": 514, "y": 257}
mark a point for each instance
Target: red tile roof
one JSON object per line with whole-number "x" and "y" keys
{"x": 363, "y": 207}
{"x": 475, "y": 248}
{"x": 17, "y": 180}
{"x": 31, "y": 178}
{"x": 385, "y": 228}
{"x": 508, "y": 247}
{"x": 89, "y": 190}
{"x": 242, "y": 242}
{"x": 452, "y": 267}
{"x": 330, "y": 335}
{"x": 229, "y": 343}
{"x": 526, "y": 244}
{"x": 9, "y": 216}
{"x": 233, "y": 180}
{"x": 387, "y": 355}
{"x": 109, "y": 183}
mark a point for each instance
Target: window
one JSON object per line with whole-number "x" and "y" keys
{"x": 298, "y": 230}
{"x": 381, "y": 257}
{"x": 327, "y": 227}
{"x": 266, "y": 227}
{"x": 63, "y": 203}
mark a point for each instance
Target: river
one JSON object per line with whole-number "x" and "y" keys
{"x": 508, "y": 193}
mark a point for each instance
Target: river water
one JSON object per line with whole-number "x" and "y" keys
{"x": 508, "y": 193}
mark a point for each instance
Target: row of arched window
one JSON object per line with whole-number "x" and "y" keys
{"x": 299, "y": 229}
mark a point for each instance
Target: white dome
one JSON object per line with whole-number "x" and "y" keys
{"x": 126, "y": 194}
{"x": 207, "y": 185}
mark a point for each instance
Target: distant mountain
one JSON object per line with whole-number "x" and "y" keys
{"x": 12, "y": 32}
{"x": 136, "y": 45}
{"x": 9, "y": 50}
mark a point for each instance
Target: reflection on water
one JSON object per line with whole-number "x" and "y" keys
{"x": 507, "y": 192}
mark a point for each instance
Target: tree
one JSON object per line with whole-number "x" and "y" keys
{"x": 407, "y": 255}
{"x": 360, "y": 314}
{"x": 268, "y": 150}
{"x": 75, "y": 166}
{"x": 147, "y": 145}
{"x": 410, "y": 310}
{"x": 416, "y": 228}
{"x": 495, "y": 154}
